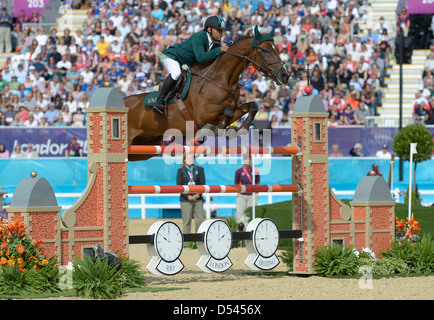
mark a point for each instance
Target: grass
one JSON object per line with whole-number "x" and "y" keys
{"x": 72, "y": 293}
{"x": 424, "y": 215}
{"x": 281, "y": 214}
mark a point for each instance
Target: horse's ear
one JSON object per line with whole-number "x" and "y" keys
{"x": 257, "y": 33}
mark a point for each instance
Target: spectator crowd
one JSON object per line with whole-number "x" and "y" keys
{"x": 423, "y": 104}
{"x": 50, "y": 78}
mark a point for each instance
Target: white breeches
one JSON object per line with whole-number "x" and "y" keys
{"x": 173, "y": 67}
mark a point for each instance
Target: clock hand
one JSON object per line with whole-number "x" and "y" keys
{"x": 224, "y": 235}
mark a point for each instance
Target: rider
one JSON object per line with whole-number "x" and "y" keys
{"x": 202, "y": 46}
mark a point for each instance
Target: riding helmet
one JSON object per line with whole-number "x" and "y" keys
{"x": 215, "y": 22}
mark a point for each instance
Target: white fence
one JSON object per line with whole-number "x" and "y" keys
{"x": 211, "y": 206}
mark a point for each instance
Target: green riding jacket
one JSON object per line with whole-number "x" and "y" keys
{"x": 194, "y": 50}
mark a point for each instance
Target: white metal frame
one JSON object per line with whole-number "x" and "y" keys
{"x": 208, "y": 205}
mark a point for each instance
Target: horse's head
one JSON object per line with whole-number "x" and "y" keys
{"x": 267, "y": 58}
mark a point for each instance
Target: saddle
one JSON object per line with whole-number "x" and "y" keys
{"x": 179, "y": 91}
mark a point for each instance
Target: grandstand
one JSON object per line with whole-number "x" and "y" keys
{"x": 143, "y": 28}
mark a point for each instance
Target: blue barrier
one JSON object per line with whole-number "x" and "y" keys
{"x": 69, "y": 175}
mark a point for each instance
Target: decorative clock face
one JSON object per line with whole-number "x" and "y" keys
{"x": 266, "y": 238}
{"x": 218, "y": 239}
{"x": 169, "y": 241}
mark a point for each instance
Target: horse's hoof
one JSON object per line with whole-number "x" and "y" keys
{"x": 242, "y": 131}
{"x": 231, "y": 133}
{"x": 205, "y": 131}
{"x": 209, "y": 126}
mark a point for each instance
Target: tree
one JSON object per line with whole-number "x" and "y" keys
{"x": 419, "y": 134}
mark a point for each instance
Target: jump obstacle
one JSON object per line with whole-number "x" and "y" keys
{"x": 288, "y": 150}
{"x": 319, "y": 218}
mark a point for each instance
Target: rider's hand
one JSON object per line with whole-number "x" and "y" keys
{"x": 224, "y": 48}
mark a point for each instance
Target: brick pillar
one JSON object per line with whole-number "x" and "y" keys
{"x": 374, "y": 212}
{"x": 311, "y": 204}
{"x": 35, "y": 204}
{"x": 101, "y": 214}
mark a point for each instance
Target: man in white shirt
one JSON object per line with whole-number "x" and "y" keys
{"x": 275, "y": 111}
{"x": 117, "y": 19}
{"x": 116, "y": 46}
{"x": 326, "y": 49}
{"x": 32, "y": 75}
{"x": 124, "y": 28}
{"x": 418, "y": 100}
{"x": 123, "y": 83}
{"x": 381, "y": 25}
{"x": 261, "y": 82}
{"x": 383, "y": 153}
{"x": 41, "y": 37}
{"x": 87, "y": 75}
{"x": 64, "y": 65}
{"x": 295, "y": 28}
{"x": 429, "y": 63}
{"x": 18, "y": 58}
{"x": 352, "y": 11}
{"x": 212, "y": 7}
{"x": 142, "y": 21}
{"x": 354, "y": 47}
{"x": 192, "y": 14}
{"x": 332, "y": 5}
{"x": 21, "y": 73}
{"x": 290, "y": 36}
{"x": 108, "y": 36}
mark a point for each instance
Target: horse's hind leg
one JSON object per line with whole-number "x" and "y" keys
{"x": 242, "y": 109}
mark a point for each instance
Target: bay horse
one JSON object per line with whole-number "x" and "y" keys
{"x": 212, "y": 99}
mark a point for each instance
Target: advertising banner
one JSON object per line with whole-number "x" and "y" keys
{"x": 47, "y": 142}
{"x": 420, "y": 6}
{"x": 29, "y": 6}
{"x": 53, "y": 141}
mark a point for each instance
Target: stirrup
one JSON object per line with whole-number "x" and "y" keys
{"x": 159, "y": 108}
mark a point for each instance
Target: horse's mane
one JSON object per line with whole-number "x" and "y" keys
{"x": 230, "y": 44}
{"x": 236, "y": 40}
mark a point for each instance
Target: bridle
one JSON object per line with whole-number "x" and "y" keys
{"x": 265, "y": 67}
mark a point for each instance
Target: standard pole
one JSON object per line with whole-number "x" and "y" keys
{"x": 410, "y": 182}
{"x": 410, "y": 196}
{"x": 401, "y": 53}
{"x": 253, "y": 194}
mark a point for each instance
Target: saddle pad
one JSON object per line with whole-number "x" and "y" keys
{"x": 151, "y": 97}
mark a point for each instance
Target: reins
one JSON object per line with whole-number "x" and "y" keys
{"x": 264, "y": 68}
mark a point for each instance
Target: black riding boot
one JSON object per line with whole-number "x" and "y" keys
{"x": 165, "y": 88}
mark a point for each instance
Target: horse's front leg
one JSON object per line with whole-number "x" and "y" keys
{"x": 220, "y": 128}
{"x": 242, "y": 109}
{"x": 228, "y": 115}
